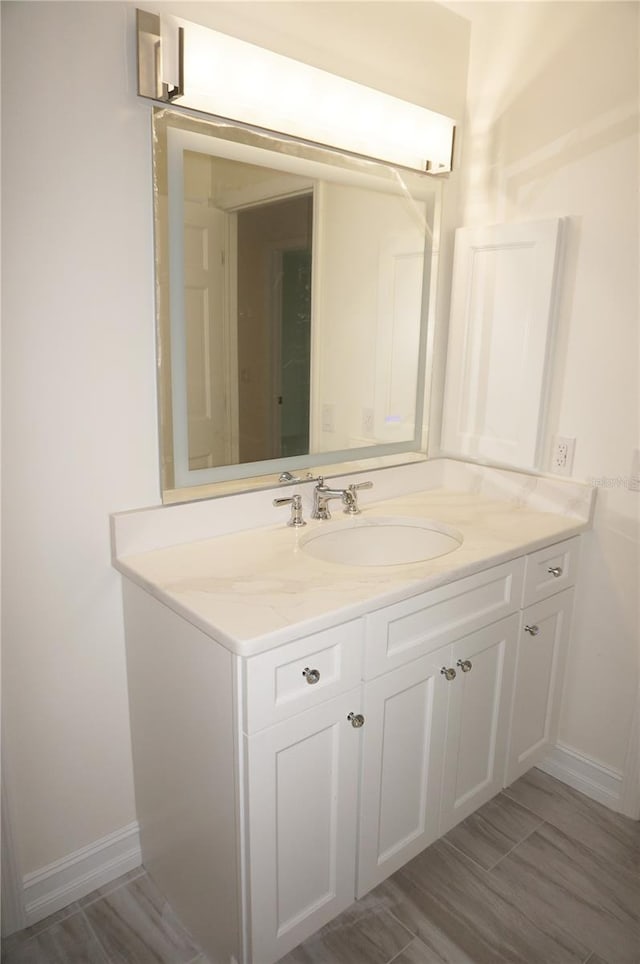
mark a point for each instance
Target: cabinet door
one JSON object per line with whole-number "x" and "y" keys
{"x": 478, "y": 719}
{"x": 405, "y": 713}
{"x": 540, "y": 663}
{"x": 302, "y": 808}
{"x": 501, "y": 322}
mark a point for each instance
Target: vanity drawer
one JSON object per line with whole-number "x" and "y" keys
{"x": 550, "y": 570}
{"x": 291, "y": 678}
{"x": 412, "y": 628}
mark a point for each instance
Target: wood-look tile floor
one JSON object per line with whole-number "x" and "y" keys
{"x": 540, "y": 875}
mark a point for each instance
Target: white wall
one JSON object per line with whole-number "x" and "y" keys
{"x": 552, "y": 129}
{"x": 78, "y": 354}
{"x": 79, "y": 430}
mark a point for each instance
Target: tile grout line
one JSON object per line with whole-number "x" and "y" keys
{"x": 572, "y": 797}
{"x": 403, "y": 949}
{"x": 199, "y": 955}
{"x": 565, "y": 831}
{"x": 410, "y": 933}
{"x": 487, "y": 870}
{"x": 466, "y": 856}
{"x": 65, "y": 917}
{"x": 531, "y": 920}
{"x": 524, "y": 805}
{"x": 515, "y": 846}
{"x": 402, "y": 924}
{"x": 21, "y": 942}
{"x": 435, "y": 899}
{"x": 113, "y": 890}
{"x": 94, "y": 933}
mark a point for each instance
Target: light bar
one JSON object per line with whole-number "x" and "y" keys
{"x": 239, "y": 81}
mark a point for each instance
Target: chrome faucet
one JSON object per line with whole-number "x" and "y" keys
{"x": 322, "y": 495}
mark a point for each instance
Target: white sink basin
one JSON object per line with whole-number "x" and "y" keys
{"x": 378, "y": 541}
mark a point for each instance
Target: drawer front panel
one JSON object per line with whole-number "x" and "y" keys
{"x": 550, "y": 570}
{"x": 412, "y": 628}
{"x": 302, "y": 674}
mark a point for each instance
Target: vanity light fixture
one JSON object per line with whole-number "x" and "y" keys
{"x": 239, "y": 81}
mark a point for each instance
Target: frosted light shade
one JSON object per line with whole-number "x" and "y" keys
{"x": 240, "y": 81}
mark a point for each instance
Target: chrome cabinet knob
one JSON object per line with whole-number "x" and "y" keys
{"x": 555, "y": 571}
{"x": 356, "y": 720}
{"x": 311, "y": 675}
{"x": 532, "y": 630}
{"x": 449, "y": 673}
{"x": 465, "y": 665}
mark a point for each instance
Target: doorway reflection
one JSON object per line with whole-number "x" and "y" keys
{"x": 274, "y": 253}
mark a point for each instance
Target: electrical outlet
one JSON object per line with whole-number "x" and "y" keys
{"x": 328, "y": 424}
{"x": 367, "y": 422}
{"x": 562, "y": 455}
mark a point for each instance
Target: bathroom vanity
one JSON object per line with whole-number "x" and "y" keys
{"x": 301, "y": 728}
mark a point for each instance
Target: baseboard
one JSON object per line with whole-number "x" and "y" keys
{"x": 76, "y": 875}
{"x": 595, "y": 780}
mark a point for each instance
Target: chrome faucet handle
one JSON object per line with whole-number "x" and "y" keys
{"x": 295, "y": 501}
{"x": 351, "y": 497}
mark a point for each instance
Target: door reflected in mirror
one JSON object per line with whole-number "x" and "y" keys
{"x": 293, "y": 293}
{"x": 274, "y": 254}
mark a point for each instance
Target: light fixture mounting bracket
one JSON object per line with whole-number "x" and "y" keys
{"x": 150, "y": 83}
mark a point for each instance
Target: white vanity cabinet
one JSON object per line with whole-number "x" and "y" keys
{"x": 273, "y": 790}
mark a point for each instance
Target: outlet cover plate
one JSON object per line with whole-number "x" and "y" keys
{"x": 562, "y": 454}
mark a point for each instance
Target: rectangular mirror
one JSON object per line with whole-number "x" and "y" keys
{"x": 293, "y": 291}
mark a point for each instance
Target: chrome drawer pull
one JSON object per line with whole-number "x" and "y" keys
{"x": 448, "y": 673}
{"x": 555, "y": 571}
{"x": 356, "y": 720}
{"x": 465, "y": 665}
{"x": 532, "y": 630}
{"x": 311, "y": 675}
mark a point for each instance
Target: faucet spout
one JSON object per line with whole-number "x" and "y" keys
{"x": 322, "y": 495}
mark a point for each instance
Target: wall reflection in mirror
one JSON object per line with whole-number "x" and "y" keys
{"x": 293, "y": 296}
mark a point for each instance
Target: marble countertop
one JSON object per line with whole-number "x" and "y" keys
{"x": 256, "y": 589}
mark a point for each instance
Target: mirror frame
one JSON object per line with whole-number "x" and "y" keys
{"x": 174, "y": 132}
